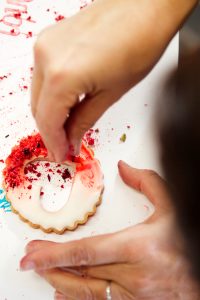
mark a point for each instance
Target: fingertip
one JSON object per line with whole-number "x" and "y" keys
{"x": 122, "y": 163}
{"x": 59, "y": 296}
{"x": 26, "y": 264}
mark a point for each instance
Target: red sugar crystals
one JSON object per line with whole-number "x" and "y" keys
{"x": 90, "y": 137}
{"x": 28, "y": 148}
{"x": 49, "y": 177}
{"x": 59, "y": 18}
{"x": 66, "y": 174}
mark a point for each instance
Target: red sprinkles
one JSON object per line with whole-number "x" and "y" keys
{"x": 30, "y": 148}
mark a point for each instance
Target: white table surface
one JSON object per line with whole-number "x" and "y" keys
{"x": 121, "y": 206}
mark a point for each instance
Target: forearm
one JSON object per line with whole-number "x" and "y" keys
{"x": 174, "y": 13}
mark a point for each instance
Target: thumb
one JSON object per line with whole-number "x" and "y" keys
{"x": 150, "y": 184}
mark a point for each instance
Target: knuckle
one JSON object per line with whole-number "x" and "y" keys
{"x": 85, "y": 293}
{"x": 78, "y": 127}
{"x": 81, "y": 256}
{"x": 55, "y": 75}
{"x": 39, "y": 48}
{"x": 150, "y": 173}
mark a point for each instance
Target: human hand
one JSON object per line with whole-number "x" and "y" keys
{"x": 143, "y": 262}
{"x": 101, "y": 53}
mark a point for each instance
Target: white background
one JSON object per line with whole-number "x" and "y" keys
{"x": 121, "y": 206}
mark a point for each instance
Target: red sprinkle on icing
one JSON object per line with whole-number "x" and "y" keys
{"x": 1, "y": 161}
{"x": 41, "y": 193}
{"x": 66, "y": 174}
{"x": 29, "y": 187}
{"x": 62, "y": 186}
{"x": 49, "y": 177}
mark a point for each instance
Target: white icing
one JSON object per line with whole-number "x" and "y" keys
{"x": 79, "y": 203}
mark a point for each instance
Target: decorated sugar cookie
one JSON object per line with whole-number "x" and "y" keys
{"x": 81, "y": 179}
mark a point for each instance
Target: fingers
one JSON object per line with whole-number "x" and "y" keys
{"x": 51, "y": 115}
{"x": 149, "y": 183}
{"x": 86, "y": 113}
{"x": 80, "y": 288}
{"x": 90, "y": 251}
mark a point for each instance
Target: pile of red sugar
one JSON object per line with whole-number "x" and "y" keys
{"x": 28, "y": 148}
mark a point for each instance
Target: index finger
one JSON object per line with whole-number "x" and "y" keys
{"x": 98, "y": 250}
{"x": 53, "y": 108}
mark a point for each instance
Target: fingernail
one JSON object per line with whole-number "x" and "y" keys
{"x": 74, "y": 148}
{"x": 51, "y": 156}
{"x": 59, "y": 296}
{"x": 121, "y": 162}
{"x": 29, "y": 265}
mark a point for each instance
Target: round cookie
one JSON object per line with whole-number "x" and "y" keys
{"x": 25, "y": 196}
